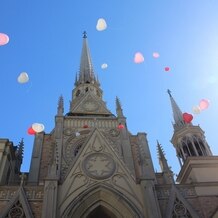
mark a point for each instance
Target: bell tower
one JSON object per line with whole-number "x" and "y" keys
{"x": 188, "y": 140}
{"x": 193, "y": 152}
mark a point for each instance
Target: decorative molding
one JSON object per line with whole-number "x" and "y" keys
{"x": 31, "y": 193}
{"x": 186, "y": 192}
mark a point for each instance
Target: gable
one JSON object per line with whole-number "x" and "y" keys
{"x": 90, "y": 104}
{"x": 178, "y": 206}
{"x": 98, "y": 164}
{"x": 18, "y": 206}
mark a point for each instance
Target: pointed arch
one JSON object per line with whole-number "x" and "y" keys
{"x": 112, "y": 201}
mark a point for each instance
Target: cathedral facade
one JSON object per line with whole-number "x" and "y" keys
{"x": 91, "y": 166}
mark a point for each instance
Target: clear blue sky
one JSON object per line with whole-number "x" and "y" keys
{"x": 46, "y": 42}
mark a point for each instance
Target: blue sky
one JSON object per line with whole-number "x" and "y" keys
{"x": 46, "y": 42}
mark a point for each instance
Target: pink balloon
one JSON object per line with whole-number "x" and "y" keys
{"x": 156, "y": 55}
{"x": 138, "y": 58}
{"x": 167, "y": 69}
{"x": 4, "y": 39}
{"x": 204, "y": 104}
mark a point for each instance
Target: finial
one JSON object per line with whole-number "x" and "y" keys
{"x": 169, "y": 92}
{"x": 84, "y": 34}
{"x": 22, "y": 179}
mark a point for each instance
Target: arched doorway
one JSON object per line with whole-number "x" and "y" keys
{"x": 100, "y": 212}
{"x": 101, "y": 202}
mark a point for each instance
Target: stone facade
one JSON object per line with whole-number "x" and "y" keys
{"x": 90, "y": 165}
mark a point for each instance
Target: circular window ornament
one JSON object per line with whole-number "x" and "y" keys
{"x": 99, "y": 166}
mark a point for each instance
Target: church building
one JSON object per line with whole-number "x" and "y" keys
{"x": 91, "y": 166}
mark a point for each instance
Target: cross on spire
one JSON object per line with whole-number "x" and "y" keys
{"x": 84, "y": 34}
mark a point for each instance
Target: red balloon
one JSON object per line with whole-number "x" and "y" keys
{"x": 187, "y": 117}
{"x": 120, "y": 126}
{"x": 167, "y": 69}
{"x": 31, "y": 131}
{"x": 85, "y": 126}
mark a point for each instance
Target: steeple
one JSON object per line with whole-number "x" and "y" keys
{"x": 86, "y": 72}
{"x": 188, "y": 139}
{"x": 119, "y": 108}
{"x": 168, "y": 175}
{"x": 177, "y": 113}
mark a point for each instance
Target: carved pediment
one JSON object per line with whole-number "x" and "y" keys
{"x": 91, "y": 105}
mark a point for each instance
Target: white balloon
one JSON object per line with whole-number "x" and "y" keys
{"x": 101, "y": 24}
{"x": 104, "y": 66}
{"x": 77, "y": 134}
{"x": 196, "y": 110}
{"x": 38, "y": 127}
{"x": 23, "y": 77}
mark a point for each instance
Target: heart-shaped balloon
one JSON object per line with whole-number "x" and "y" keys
{"x": 31, "y": 131}
{"x": 138, "y": 58}
{"x": 104, "y": 66}
{"x": 120, "y": 126}
{"x": 38, "y": 127}
{"x": 4, "y": 39}
{"x": 23, "y": 78}
{"x": 156, "y": 55}
{"x": 187, "y": 117}
{"x": 167, "y": 69}
{"x": 196, "y": 109}
{"x": 101, "y": 24}
{"x": 204, "y": 104}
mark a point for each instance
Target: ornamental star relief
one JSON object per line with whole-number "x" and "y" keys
{"x": 99, "y": 166}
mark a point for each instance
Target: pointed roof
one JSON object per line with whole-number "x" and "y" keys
{"x": 119, "y": 108}
{"x": 86, "y": 72}
{"x": 177, "y": 113}
{"x": 163, "y": 163}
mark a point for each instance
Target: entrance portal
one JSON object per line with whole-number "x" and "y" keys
{"x": 101, "y": 212}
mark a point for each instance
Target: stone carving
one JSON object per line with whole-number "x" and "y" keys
{"x": 31, "y": 193}
{"x": 179, "y": 210}
{"x": 16, "y": 211}
{"x": 114, "y": 132}
{"x": 99, "y": 166}
{"x": 72, "y": 147}
{"x": 68, "y": 131}
{"x": 90, "y": 106}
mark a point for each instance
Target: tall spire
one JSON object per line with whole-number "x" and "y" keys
{"x": 119, "y": 108}
{"x": 86, "y": 72}
{"x": 168, "y": 174}
{"x": 177, "y": 113}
